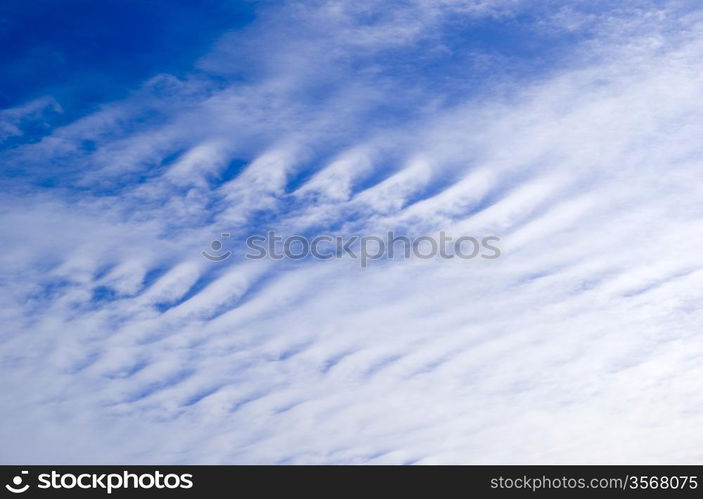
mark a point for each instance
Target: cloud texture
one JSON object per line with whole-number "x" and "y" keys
{"x": 572, "y": 133}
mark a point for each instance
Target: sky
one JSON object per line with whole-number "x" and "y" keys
{"x": 133, "y": 134}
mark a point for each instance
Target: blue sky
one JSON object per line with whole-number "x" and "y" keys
{"x": 86, "y": 53}
{"x": 132, "y": 134}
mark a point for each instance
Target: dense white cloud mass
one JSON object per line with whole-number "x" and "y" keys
{"x": 581, "y": 343}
